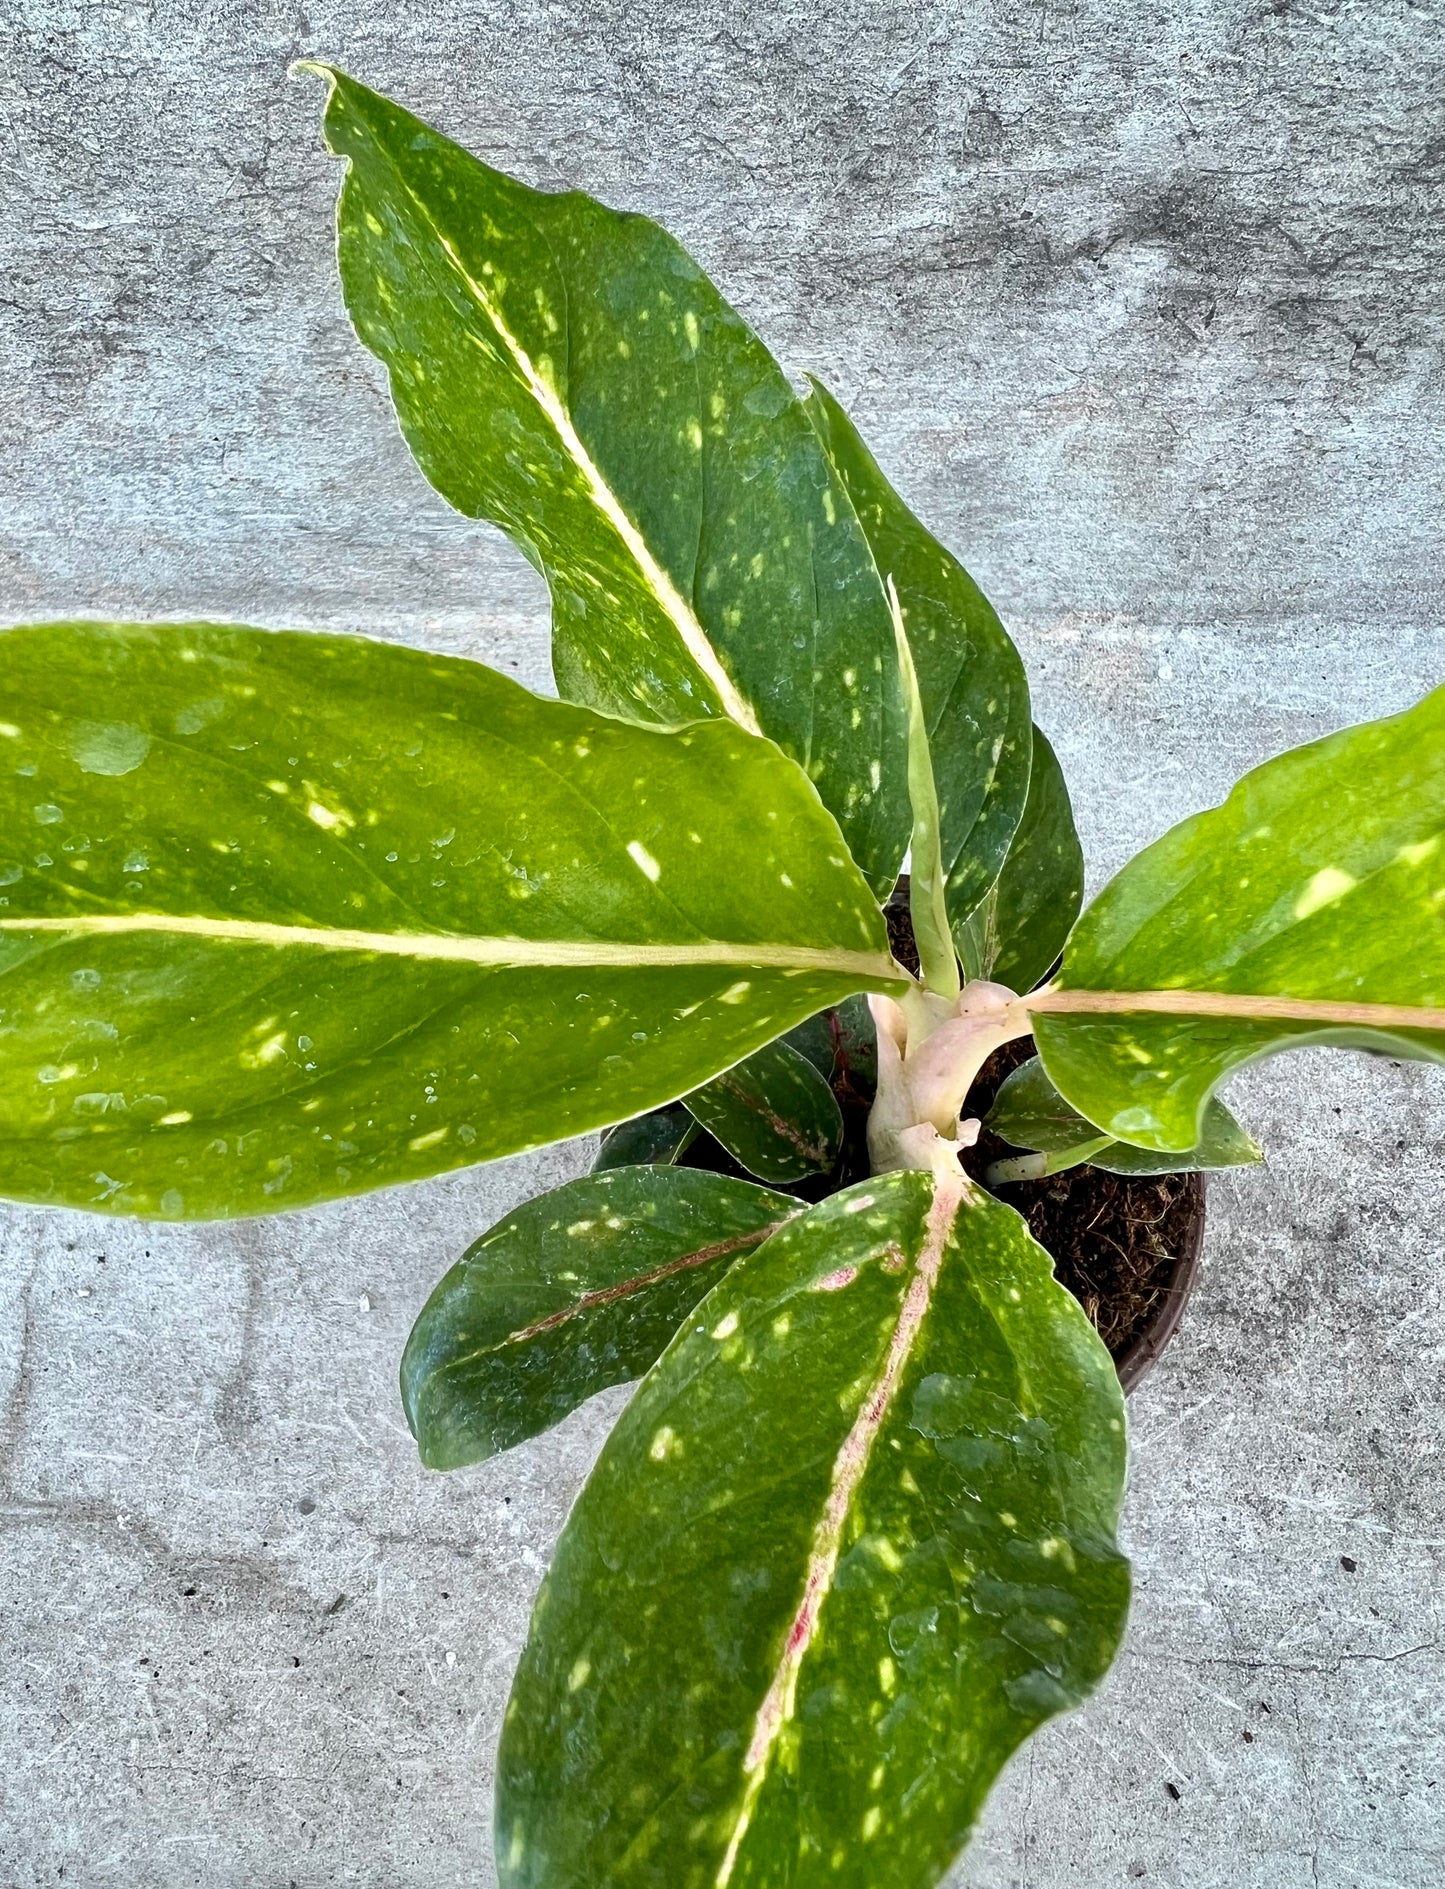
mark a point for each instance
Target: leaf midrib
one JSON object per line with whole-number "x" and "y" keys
{"x": 693, "y": 636}
{"x": 1236, "y": 1006}
{"x": 947, "y": 1200}
{"x": 486, "y": 951}
{"x": 619, "y": 1290}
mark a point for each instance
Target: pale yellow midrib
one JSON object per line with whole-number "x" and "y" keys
{"x": 694, "y": 637}
{"x": 520, "y": 953}
{"x": 1238, "y": 1006}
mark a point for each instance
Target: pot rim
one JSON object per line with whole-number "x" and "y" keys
{"x": 1143, "y": 1352}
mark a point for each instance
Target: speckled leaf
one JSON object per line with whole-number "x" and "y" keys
{"x": 851, "y": 1542}
{"x": 284, "y": 917}
{"x": 842, "y": 1045}
{"x": 1308, "y": 908}
{"x": 774, "y": 1113}
{"x": 1018, "y": 930}
{"x": 1028, "y": 1112}
{"x": 975, "y": 694}
{"x": 575, "y": 1291}
{"x": 655, "y": 1138}
{"x": 927, "y": 874}
{"x": 568, "y": 372}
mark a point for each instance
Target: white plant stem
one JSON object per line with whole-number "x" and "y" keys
{"x": 929, "y": 1052}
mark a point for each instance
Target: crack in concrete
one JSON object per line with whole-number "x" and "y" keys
{"x": 1266, "y": 1665}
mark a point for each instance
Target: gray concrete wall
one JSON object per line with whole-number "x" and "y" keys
{"x": 1142, "y": 307}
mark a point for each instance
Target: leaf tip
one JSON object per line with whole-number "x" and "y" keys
{"x": 816, "y": 398}
{"x": 313, "y": 68}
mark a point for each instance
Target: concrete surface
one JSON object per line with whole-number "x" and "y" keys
{"x": 1142, "y": 306}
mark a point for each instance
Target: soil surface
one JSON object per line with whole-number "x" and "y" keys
{"x": 1116, "y": 1241}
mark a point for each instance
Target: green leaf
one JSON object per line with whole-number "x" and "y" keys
{"x": 774, "y": 1113}
{"x": 927, "y": 900}
{"x": 974, "y": 690}
{"x": 842, "y": 1045}
{"x": 567, "y": 372}
{"x": 1224, "y": 1144}
{"x": 1018, "y": 930}
{"x": 851, "y": 1542}
{"x": 1029, "y": 1112}
{"x": 283, "y": 917}
{"x": 657, "y": 1138}
{"x": 1308, "y": 908}
{"x": 570, "y": 1293}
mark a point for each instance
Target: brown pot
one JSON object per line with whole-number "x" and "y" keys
{"x": 1139, "y": 1356}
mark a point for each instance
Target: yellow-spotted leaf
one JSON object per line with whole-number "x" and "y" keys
{"x": 568, "y": 372}
{"x": 774, "y": 1113}
{"x": 1016, "y": 932}
{"x": 852, "y": 1541}
{"x": 1028, "y": 1112}
{"x": 971, "y": 680}
{"x": 284, "y": 917}
{"x": 571, "y": 1292}
{"x": 1308, "y": 908}
{"x": 842, "y": 1045}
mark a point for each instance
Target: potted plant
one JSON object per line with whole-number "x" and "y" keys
{"x": 286, "y": 917}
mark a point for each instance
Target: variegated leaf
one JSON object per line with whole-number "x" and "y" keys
{"x": 284, "y": 917}
{"x": 850, "y": 1543}
{"x": 1028, "y": 1112}
{"x": 1308, "y": 908}
{"x": 571, "y": 1292}
{"x": 971, "y": 679}
{"x": 1015, "y": 934}
{"x": 568, "y": 372}
{"x": 774, "y": 1113}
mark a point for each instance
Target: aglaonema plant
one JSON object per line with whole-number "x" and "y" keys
{"x": 284, "y": 917}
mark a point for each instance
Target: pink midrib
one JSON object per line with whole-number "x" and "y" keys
{"x": 849, "y": 1467}
{"x": 628, "y": 1288}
